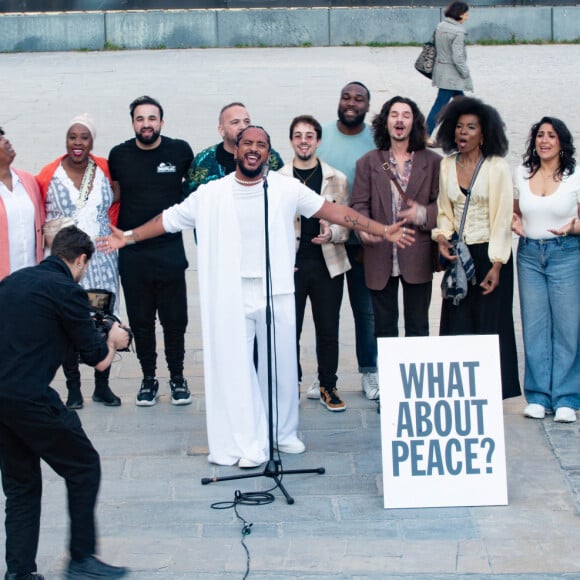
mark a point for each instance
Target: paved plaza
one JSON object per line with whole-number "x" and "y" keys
{"x": 153, "y": 513}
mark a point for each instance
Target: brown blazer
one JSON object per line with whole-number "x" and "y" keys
{"x": 372, "y": 196}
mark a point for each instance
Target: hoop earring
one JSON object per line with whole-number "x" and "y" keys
{"x": 561, "y": 153}
{"x": 534, "y": 152}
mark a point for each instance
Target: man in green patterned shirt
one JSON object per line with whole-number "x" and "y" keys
{"x": 218, "y": 160}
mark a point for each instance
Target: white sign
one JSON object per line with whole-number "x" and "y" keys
{"x": 442, "y": 422}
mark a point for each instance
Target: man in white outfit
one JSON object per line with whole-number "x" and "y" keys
{"x": 228, "y": 215}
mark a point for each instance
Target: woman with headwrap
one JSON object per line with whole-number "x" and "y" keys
{"x": 78, "y": 186}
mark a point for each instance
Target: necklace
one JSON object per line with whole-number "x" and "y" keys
{"x": 247, "y": 182}
{"x": 305, "y": 180}
{"x": 464, "y": 165}
{"x": 86, "y": 184}
{"x": 546, "y": 177}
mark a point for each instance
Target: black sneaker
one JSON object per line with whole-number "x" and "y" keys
{"x": 29, "y": 576}
{"x": 92, "y": 568}
{"x": 74, "y": 400}
{"x": 180, "y": 394}
{"x": 147, "y": 395}
{"x": 330, "y": 399}
{"x": 106, "y": 396}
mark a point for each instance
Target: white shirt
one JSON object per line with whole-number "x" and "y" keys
{"x": 551, "y": 212}
{"x": 249, "y": 203}
{"x": 20, "y": 218}
{"x": 220, "y": 221}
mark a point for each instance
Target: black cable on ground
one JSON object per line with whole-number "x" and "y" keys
{"x": 256, "y": 498}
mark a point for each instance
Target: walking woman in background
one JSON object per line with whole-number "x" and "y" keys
{"x": 77, "y": 185}
{"x": 469, "y": 131}
{"x": 21, "y": 214}
{"x": 546, "y": 210}
{"x": 450, "y": 71}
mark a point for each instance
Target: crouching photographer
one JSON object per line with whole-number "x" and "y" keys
{"x": 46, "y": 313}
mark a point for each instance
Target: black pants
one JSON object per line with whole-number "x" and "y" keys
{"x": 31, "y": 431}
{"x": 312, "y": 280}
{"x": 488, "y": 314}
{"x": 70, "y": 367}
{"x": 416, "y": 300}
{"x": 154, "y": 286}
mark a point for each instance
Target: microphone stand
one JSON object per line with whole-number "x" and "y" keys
{"x": 273, "y": 468}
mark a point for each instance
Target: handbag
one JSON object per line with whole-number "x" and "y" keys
{"x": 460, "y": 272}
{"x": 52, "y": 227}
{"x": 426, "y": 59}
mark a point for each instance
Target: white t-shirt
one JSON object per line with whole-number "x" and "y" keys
{"x": 541, "y": 214}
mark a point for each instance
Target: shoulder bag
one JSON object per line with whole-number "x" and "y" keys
{"x": 461, "y": 272}
{"x": 426, "y": 59}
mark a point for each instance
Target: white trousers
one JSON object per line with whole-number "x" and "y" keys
{"x": 242, "y": 432}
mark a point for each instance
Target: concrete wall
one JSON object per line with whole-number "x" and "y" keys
{"x": 275, "y": 27}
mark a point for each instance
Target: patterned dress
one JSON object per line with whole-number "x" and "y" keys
{"x": 62, "y": 200}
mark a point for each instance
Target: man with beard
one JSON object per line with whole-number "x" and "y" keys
{"x": 147, "y": 174}
{"x": 399, "y": 179}
{"x": 229, "y": 216}
{"x": 218, "y": 160}
{"x": 345, "y": 141}
{"x": 321, "y": 259}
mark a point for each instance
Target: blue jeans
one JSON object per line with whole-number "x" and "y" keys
{"x": 362, "y": 310}
{"x": 549, "y": 278}
{"x": 443, "y": 97}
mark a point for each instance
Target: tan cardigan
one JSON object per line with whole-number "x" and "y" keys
{"x": 489, "y": 215}
{"x": 335, "y": 190}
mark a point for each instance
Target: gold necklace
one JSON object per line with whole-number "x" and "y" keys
{"x": 464, "y": 165}
{"x": 246, "y": 182}
{"x": 307, "y": 179}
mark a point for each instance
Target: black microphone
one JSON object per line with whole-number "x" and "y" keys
{"x": 265, "y": 171}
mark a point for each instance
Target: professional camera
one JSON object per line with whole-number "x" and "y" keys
{"x": 101, "y": 303}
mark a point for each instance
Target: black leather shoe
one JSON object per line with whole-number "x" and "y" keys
{"x": 107, "y": 397}
{"x": 92, "y": 568}
{"x": 29, "y": 576}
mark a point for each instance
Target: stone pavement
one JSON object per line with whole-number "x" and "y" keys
{"x": 154, "y": 515}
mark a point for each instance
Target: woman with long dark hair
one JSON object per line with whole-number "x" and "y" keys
{"x": 470, "y": 132}
{"x": 546, "y": 217}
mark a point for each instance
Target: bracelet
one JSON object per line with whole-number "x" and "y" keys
{"x": 129, "y": 240}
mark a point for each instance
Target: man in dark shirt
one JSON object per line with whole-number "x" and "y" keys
{"x": 147, "y": 174}
{"x": 45, "y": 312}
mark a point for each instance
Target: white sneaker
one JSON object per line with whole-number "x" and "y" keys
{"x": 535, "y": 411}
{"x": 244, "y": 463}
{"x": 313, "y": 391}
{"x": 565, "y": 415}
{"x": 370, "y": 385}
{"x": 293, "y": 447}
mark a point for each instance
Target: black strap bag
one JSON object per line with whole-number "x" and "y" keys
{"x": 461, "y": 272}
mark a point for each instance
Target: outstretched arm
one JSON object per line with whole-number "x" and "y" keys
{"x": 348, "y": 217}
{"x": 119, "y": 239}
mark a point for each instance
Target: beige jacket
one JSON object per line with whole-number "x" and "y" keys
{"x": 334, "y": 190}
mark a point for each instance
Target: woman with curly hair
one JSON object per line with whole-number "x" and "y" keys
{"x": 546, "y": 210}
{"x": 470, "y": 132}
